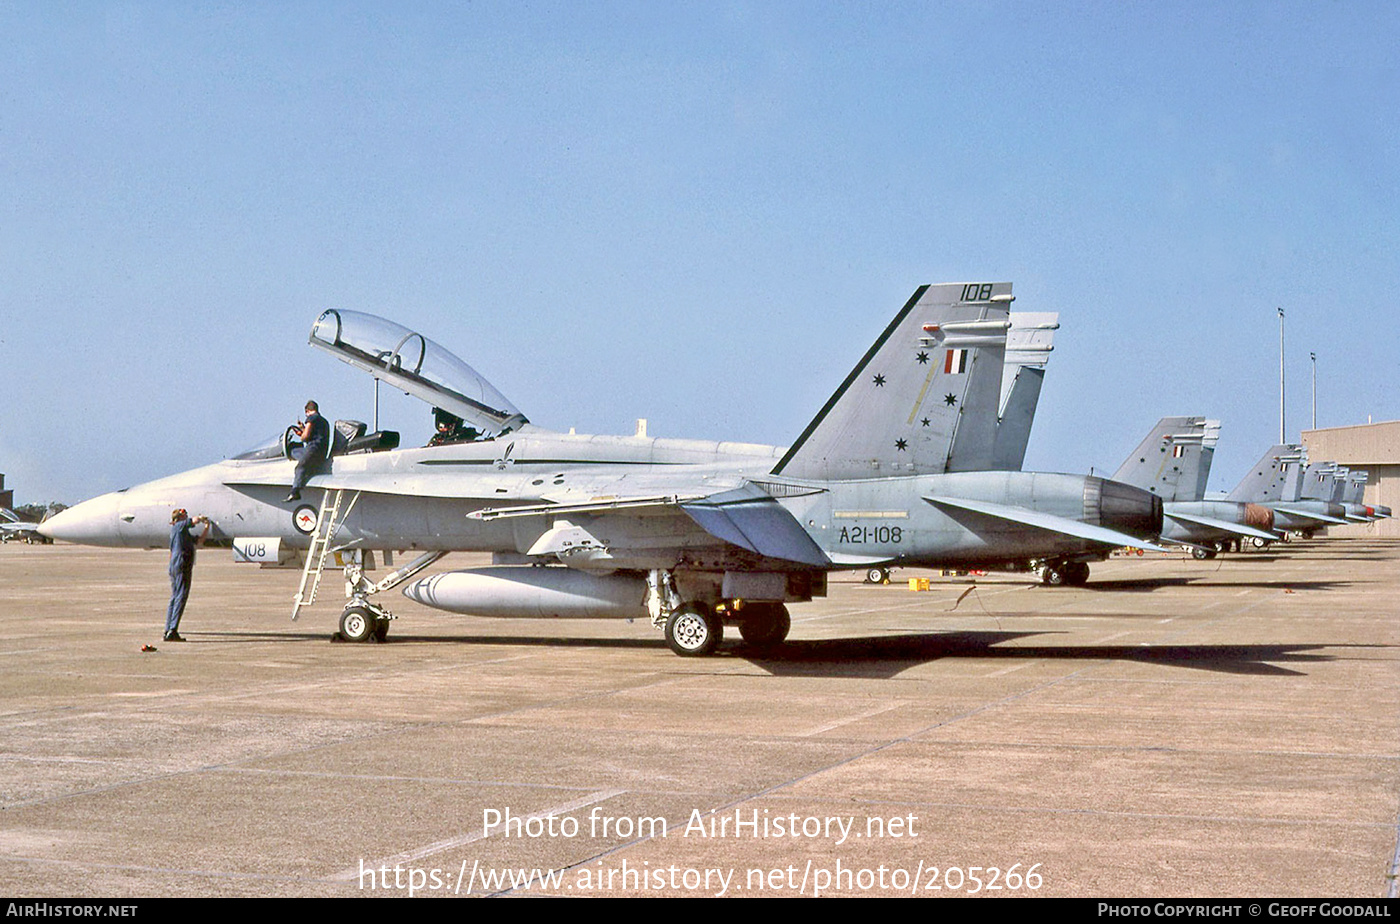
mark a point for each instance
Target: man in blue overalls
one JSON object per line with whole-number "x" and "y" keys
{"x": 182, "y": 544}
{"x": 315, "y": 436}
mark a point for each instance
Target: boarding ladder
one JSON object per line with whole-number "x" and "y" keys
{"x": 327, "y": 523}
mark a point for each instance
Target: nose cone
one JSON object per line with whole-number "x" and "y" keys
{"x": 93, "y": 522}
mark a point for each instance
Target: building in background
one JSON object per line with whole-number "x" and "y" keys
{"x": 1371, "y": 448}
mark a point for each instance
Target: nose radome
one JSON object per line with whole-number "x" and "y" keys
{"x": 93, "y": 522}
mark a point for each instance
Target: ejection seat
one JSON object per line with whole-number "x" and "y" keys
{"x": 350, "y": 437}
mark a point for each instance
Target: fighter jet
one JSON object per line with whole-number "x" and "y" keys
{"x": 692, "y": 535}
{"x": 1276, "y": 481}
{"x": 1029, "y": 342}
{"x": 1353, "y": 498}
{"x": 15, "y": 528}
{"x": 1174, "y": 461}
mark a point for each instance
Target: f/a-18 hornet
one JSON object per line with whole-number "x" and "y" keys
{"x": 694, "y": 535}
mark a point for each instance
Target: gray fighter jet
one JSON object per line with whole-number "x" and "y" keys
{"x": 14, "y": 528}
{"x": 1333, "y": 483}
{"x": 1276, "y": 481}
{"x": 1174, "y": 461}
{"x": 1353, "y": 498}
{"x": 693, "y": 535}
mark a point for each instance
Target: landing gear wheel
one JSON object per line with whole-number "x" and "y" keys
{"x": 769, "y": 628}
{"x": 357, "y": 624}
{"x": 1200, "y": 553}
{"x": 381, "y": 630}
{"x": 694, "y": 630}
{"x": 1052, "y": 575}
{"x": 1076, "y": 573}
{"x": 877, "y": 576}
{"x": 1259, "y": 543}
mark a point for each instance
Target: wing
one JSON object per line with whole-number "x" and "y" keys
{"x": 1237, "y": 529}
{"x": 1048, "y": 522}
{"x": 746, "y": 516}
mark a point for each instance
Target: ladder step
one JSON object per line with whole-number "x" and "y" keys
{"x": 326, "y": 525}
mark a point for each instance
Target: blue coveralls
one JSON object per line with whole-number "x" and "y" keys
{"x": 181, "y": 570}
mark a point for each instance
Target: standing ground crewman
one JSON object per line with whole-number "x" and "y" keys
{"x": 182, "y": 545}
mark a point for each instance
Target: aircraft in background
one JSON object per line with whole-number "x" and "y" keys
{"x": 693, "y": 535}
{"x": 1277, "y": 481}
{"x": 15, "y": 528}
{"x": 1174, "y": 462}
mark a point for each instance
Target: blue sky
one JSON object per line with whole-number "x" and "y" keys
{"x": 701, "y": 214}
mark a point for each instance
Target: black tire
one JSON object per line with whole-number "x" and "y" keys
{"x": 694, "y": 631}
{"x": 1052, "y": 575}
{"x": 1201, "y": 553}
{"x": 766, "y": 629}
{"x": 357, "y": 624}
{"x": 1076, "y": 573}
{"x": 381, "y": 630}
{"x": 877, "y": 576}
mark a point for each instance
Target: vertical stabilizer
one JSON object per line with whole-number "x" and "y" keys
{"x": 923, "y": 399}
{"x": 1356, "y": 489}
{"x": 1028, "y": 346}
{"x": 1318, "y": 481}
{"x": 1174, "y": 460}
{"x": 1295, "y": 465}
{"x": 1271, "y": 478}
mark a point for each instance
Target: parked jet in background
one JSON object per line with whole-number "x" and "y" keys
{"x": 1174, "y": 463}
{"x": 692, "y": 534}
{"x": 13, "y": 527}
{"x": 1276, "y": 482}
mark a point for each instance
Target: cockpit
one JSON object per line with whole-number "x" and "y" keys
{"x": 347, "y": 437}
{"x": 466, "y": 407}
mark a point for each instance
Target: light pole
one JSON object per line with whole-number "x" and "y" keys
{"x": 1282, "y": 429}
{"x": 1313, "y": 357}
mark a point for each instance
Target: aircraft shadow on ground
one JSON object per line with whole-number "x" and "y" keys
{"x": 885, "y": 657}
{"x": 891, "y": 655}
{"x": 1264, "y": 558}
{"x": 1147, "y": 585}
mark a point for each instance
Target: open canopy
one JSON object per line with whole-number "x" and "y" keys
{"x": 414, "y": 364}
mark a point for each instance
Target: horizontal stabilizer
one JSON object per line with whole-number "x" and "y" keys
{"x": 750, "y": 519}
{"x": 1312, "y": 514}
{"x": 1048, "y": 522}
{"x": 1225, "y": 526}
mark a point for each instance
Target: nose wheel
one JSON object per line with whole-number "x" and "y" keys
{"x": 364, "y": 623}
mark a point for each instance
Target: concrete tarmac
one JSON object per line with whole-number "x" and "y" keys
{"x": 1175, "y": 728}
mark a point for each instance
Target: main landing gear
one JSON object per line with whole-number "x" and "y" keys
{"x": 1057, "y": 573}
{"x": 694, "y": 628}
